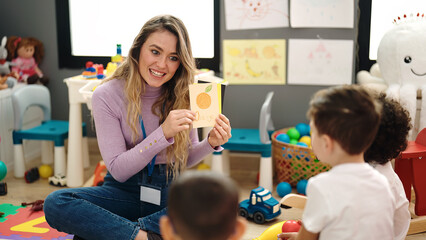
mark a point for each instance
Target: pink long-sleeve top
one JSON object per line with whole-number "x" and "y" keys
{"x": 122, "y": 157}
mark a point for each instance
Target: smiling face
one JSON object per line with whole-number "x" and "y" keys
{"x": 158, "y": 59}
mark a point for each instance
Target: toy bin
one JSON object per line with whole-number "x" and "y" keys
{"x": 293, "y": 162}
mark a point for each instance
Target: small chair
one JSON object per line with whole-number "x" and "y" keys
{"x": 48, "y": 130}
{"x": 253, "y": 140}
{"x": 410, "y": 166}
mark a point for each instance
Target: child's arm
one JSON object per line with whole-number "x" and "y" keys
{"x": 303, "y": 234}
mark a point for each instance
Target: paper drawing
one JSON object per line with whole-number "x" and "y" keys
{"x": 320, "y": 62}
{"x": 322, "y": 13}
{"x": 205, "y": 102}
{"x": 254, "y": 61}
{"x": 252, "y": 14}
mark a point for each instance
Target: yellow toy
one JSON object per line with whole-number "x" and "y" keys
{"x": 45, "y": 171}
{"x": 271, "y": 232}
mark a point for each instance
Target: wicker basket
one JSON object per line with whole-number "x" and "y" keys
{"x": 293, "y": 162}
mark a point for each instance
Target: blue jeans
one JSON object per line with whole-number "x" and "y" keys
{"x": 111, "y": 211}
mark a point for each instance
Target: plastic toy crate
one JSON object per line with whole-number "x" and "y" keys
{"x": 293, "y": 162}
{"x": 87, "y": 91}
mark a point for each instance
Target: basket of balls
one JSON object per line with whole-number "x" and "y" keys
{"x": 293, "y": 156}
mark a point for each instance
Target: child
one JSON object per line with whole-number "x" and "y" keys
{"x": 202, "y": 205}
{"x": 352, "y": 200}
{"x": 391, "y": 140}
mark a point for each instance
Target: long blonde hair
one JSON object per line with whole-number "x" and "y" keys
{"x": 175, "y": 91}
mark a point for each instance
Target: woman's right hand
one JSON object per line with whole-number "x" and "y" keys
{"x": 177, "y": 121}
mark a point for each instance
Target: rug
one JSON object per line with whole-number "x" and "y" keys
{"x": 20, "y": 223}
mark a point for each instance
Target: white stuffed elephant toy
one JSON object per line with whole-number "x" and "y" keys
{"x": 401, "y": 58}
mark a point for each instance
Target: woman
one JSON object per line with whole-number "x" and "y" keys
{"x": 144, "y": 133}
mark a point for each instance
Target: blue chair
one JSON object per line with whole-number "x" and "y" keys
{"x": 253, "y": 140}
{"x": 49, "y": 130}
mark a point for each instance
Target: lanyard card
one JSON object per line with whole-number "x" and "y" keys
{"x": 151, "y": 194}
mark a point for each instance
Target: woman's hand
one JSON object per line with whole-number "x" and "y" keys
{"x": 221, "y": 132}
{"x": 177, "y": 121}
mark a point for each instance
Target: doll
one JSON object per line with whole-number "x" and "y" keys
{"x": 26, "y": 54}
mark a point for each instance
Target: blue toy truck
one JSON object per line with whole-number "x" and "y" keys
{"x": 261, "y": 206}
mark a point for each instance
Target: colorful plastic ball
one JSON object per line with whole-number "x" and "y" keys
{"x": 301, "y": 186}
{"x": 293, "y": 141}
{"x": 306, "y": 140}
{"x": 302, "y": 144}
{"x": 283, "y": 188}
{"x": 3, "y": 170}
{"x": 293, "y": 133}
{"x": 282, "y": 137}
{"x": 303, "y": 129}
{"x": 291, "y": 226}
{"x": 45, "y": 171}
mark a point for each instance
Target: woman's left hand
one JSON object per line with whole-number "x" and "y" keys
{"x": 221, "y": 132}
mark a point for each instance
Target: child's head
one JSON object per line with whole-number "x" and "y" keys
{"x": 347, "y": 114}
{"x": 391, "y": 138}
{"x": 202, "y": 205}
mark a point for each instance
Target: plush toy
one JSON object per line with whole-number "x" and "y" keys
{"x": 26, "y": 54}
{"x": 7, "y": 79}
{"x": 401, "y": 60}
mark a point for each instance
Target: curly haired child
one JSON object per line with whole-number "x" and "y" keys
{"x": 390, "y": 141}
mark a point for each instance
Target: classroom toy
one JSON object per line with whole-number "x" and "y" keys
{"x": 293, "y": 141}
{"x": 3, "y": 170}
{"x": 100, "y": 173}
{"x": 303, "y": 129}
{"x": 203, "y": 166}
{"x": 291, "y": 226}
{"x": 400, "y": 70}
{"x": 302, "y": 144}
{"x": 293, "y": 133}
{"x": 306, "y": 140}
{"x": 283, "y": 188}
{"x": 45, "y": 171}
{"x": 31, "y": 175}
{"x": 260, "y": 206}
{"x": 3, "y": 188}
{"x": 283, "y": 137}
{"x": 58, "y": 180}
{"x": 301, "y": 186}
{"x": 271, "y": 232}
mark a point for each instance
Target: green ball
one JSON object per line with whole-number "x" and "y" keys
{"x": 293, "y": 141}
{"x": 293, "y": 133}
{"x": 3, "y": 170}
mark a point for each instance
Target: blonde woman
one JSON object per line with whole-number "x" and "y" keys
{"x": 144, "y": 132}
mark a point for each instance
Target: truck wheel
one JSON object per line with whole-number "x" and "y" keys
{"x": 243, "y": 213}
{"x": 259, "y": 218}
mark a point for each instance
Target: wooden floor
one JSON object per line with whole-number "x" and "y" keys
{"x": 243, "y": 169}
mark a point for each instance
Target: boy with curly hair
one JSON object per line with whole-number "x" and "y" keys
{"x": 352, "y": 200}
{"x": 390, "y": 141}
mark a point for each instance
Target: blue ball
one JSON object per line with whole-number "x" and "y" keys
{"x": 301, "y": 186}
{"x": 283, "y": 188}
{"x": 302, "y": 144}
{"x": 283, "y": 137}
{"x": 304, "y": 129}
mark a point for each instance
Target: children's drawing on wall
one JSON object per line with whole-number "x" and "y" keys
{"x": 322, "y": 13}
{"x": 205, "y": 101}
{"x": 252, "y": 14}
{"x": 254, "y": 61}
{"x": 320, "y": 62}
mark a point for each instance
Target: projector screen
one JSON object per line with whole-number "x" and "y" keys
{"x": 89, "y": 30}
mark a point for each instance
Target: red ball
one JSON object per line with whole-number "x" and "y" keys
{"x": 291, "y": 226}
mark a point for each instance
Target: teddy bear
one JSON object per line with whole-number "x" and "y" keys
{"x": 401, "y": 67}
{"x": 7, "y": 78}
{"x": 26, "y": 54}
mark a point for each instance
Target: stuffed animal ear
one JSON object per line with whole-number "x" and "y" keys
{"x": 3, "y": 42}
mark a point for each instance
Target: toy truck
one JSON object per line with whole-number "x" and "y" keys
{"x": 261, "y": 206}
